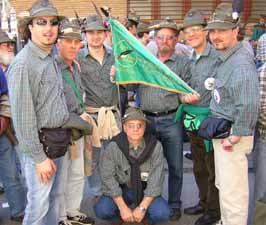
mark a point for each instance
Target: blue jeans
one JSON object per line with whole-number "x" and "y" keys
{"x": 43, "y": 198}
{"x": 94, "y": 181}
{"x": 106, "y": 209}
{"x": 14, "y": 190}
{"x": 170, "y": 135}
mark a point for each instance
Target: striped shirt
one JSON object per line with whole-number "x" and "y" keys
{"x": 201, "y": 69}
{"x": 99, "y": 91}
{"x": 236, "y": 93}
{"x": 36, "y": 96}
{"x": 159, "y": 100}
{"x": 116, "y": 170}
{"x": 262, "y": 115}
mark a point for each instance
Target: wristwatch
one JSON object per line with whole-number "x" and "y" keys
{"x": 230, "y": 141}
{"x": 142, "y": 209}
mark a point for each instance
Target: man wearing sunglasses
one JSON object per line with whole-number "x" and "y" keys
{"x": 38, "y": 102}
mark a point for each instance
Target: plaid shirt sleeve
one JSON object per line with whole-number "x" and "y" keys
{"x": 23, "y": 111}
{"x": 261, "y": 49}
{"x": 262, "y": 82}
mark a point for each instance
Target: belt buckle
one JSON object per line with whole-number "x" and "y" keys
{"x": 156, "y": 113}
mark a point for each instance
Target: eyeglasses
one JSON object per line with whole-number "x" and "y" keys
{"x": 192, "y": 30}
{"x": 43, "y": 22}
{"x": 133, "y": 126}
{"x": 166, "y": 38}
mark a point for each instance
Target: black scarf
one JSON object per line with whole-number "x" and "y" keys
{"x": 123, "y": 144}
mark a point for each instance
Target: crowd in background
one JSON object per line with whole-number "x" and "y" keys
{"x": 63, "y": 119}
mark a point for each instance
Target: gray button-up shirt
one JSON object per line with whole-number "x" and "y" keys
{"x": 159, "y": 100}
{"x": 236, "y": 93}
{"x": 99, "y": 91}
{"x": 202, "y": 68}
{"x": 36, "y": 96}
{"x": 72, "y": 102}
{"x": 116, "y": 170}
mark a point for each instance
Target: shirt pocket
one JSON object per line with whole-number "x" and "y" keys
{"x": 47, "y": 84}
{"x": 221, "y": 90}
{"x": 145, "y": 170}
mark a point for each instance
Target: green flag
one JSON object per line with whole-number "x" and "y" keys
{"x": 136, "y": 65}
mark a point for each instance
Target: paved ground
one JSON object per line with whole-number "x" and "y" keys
{"x": 189, "y": 197}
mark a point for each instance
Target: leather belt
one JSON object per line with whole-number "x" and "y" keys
{"x": 157, "y": 114}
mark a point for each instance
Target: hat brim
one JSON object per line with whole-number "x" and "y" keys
{"x": 70, "y": 36}
{"x": 7, "y": 41}
{"x": 94, "y": 28}
{"x": 135, "y": 118}
{"x": 159, "y": 27}
{"x": 143, "y": 31}
{"x": 220, "y": 26}
{"x": 95, "y": 25}
{"x": 193, "y": 24}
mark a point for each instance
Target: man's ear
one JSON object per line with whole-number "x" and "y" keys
{"x": 30, "y": 27}
{"x": 124, "y": 127}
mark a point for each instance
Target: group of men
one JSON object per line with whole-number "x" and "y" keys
{"x": 71, "y": 95}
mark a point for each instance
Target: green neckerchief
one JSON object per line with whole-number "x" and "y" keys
{"x": 194, "y": 115}
{"x": 75, "y": 89}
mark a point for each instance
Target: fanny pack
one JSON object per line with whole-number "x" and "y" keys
{"x": 55, "y": 141}
{"x": 214, "y": 128}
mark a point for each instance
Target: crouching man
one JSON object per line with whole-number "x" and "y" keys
{"x": 132, "y": 173}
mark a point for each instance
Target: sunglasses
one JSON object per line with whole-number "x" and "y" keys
{"x": 43, "y": 22}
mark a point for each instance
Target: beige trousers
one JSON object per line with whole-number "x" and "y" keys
{"x": 231, "y": 171}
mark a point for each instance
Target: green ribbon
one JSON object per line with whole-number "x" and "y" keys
{"x": 194, "y": 115}
{"x": 75, "y": 89}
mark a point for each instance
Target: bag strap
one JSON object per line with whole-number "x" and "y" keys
{"x": 75, "y": 89}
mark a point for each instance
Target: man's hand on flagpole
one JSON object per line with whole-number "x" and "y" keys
{"x": 190, "y": 98}
{"x": 112, "y": 74}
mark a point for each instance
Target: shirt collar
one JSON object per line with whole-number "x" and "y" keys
{"x": 38, "y": 51}
{"x": 173, "y": 57}
{"x": 225, "y": 55}
{"x": 107, "y": 51}
{"x": 140, "y": 147}
{"x": 62, "y": 63}
{"x": 206, "y": 52}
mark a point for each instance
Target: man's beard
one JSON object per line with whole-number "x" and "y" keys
{"x": 6, "y": 58}
{"x": 165, "y": 50}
